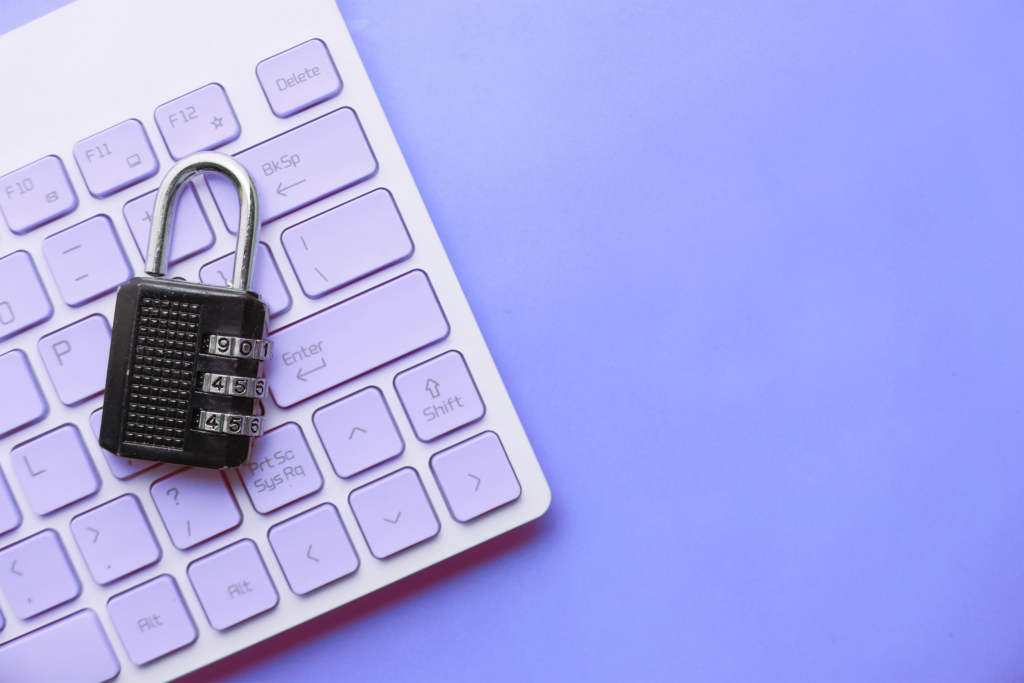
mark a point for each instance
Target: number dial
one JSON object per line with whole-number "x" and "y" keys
{"x": 228, "y": 423}
{"x": 233, "y": 385}
{"x": 237, "y": 347}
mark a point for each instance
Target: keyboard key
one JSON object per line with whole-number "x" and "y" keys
{"x": 190, "y": 234}
{"x": 439, "y": 396}
{"x": 87, "y": 260}
{"x": 299, "y": 78}
{"x": 23, "y": 299}
{"x": 37, "y": 575}
{"x": 122, "y": 468}
{"x": 281, "y": 469}
{"x": 195, "y": 505}
{"x": 76, "y": 359}
{"x": 116, "y": 158}
{"x": 10, "y": 515}
{"x": 152, "y": 620}
{"x": 54, "y": 469}
{"x": 299, "y": 167}
{"x": 313, "y": 549}
{"x": 36, "y": 194}
{"x": 200, "y": 120}
{"x": 115, "y": 539}
{"x": 72, "y": 650}
{"x": 21, "y": 402}
{"x": 267, "y": 278}
{"x": 346, "y": 243}
{"x": 475, "y": 476}
{"x": 394, "y": 513}
{"x": 233, "y": 585}
{"x": 354, "y": 337}
{"x": 358, "y": 432}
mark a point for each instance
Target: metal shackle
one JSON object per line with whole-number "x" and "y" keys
{"x": 248, "y": 215}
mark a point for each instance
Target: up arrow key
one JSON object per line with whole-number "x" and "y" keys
{"x": 432, "y": 387}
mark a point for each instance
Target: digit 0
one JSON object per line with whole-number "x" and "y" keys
{"x": 246, "y": 348}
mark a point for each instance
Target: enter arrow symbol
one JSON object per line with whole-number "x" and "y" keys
{"x": 477, "y": 481}
{"x": 97, "y": 536}
{"x": 302, "y": 374}
{"x": 309, "y": 553}
{"x": 395, "y": 520}
{"x": 354, "y": 430}
{"x": 15, "y": 571}
{"x": 281, "y": 189}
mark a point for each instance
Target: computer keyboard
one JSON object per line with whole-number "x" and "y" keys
{"x": 390, "y": 442}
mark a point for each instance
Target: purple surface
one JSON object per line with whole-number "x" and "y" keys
{"x": 21, "y": 400}
{"x": 300, "y": 166}
{"x": 190, "y": 234}
{"x": 86, "y": 260}
{"x": 152, "y": 619}
{"x": 115, "y": 539}
{"x": 475, "y": 476}
{"x": 752, "y": 276}
{"x": 394, "y": 513}
{"x": 281, "y": 469}
{"x": 36, "y": 194}
{"x": 358, "y": 432}
{"x": 23, "y": 299}
{"x": 202, "y": 119}
{"x": 73, "y": 650}
{"x": 76, "y": 357}
{"x": 298, "y": 78}
{"x": 313, "y": 549}
{"x": 37, "y": 575}
{"x": 116, "y": 158}
{"x": 233, "y": 584}
{"x": 195, "y": 505}
{"x": 54, "y": 469}
{"x": 347, "y": 242}
{"x": 439, "y": 396}
{"x": 382, "y": 324}
{"x": 267, "y": 278}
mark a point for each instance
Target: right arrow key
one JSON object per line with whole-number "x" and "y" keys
{"x": 475, "y": 476}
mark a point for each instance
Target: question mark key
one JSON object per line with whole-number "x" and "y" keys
{"x": 195, "y": 504}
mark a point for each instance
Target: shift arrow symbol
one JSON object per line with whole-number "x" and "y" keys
{"x": 15, "y": 571}
{"x": 432, "y": 387}
{"x": 281, "y": 188}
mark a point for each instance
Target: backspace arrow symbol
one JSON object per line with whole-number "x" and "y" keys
{"x": 281, "y": 188}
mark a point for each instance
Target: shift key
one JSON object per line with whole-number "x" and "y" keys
{"x": 299, "y": 167}
{"x": 351, "y": 338}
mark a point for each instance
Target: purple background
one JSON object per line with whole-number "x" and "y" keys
{"x": 752, "y": 273}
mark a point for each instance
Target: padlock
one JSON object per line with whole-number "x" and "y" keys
{"x": 185, "y": 374}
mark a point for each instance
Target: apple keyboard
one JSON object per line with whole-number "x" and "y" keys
{"x": 390, "y": 441}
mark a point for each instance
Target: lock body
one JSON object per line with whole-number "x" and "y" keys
{"x": 185, "y": 373}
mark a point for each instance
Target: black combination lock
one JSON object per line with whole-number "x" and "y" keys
{"x": 185, "y": 375}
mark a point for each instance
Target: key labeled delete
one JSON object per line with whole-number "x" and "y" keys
{"x": 299, "y": 78}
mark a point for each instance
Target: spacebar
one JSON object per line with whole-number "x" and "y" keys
{"x": 353, "y": 337}
{"x": 72, "y": 650}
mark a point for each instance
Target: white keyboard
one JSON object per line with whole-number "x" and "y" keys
{"x": 390, "y": 441}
